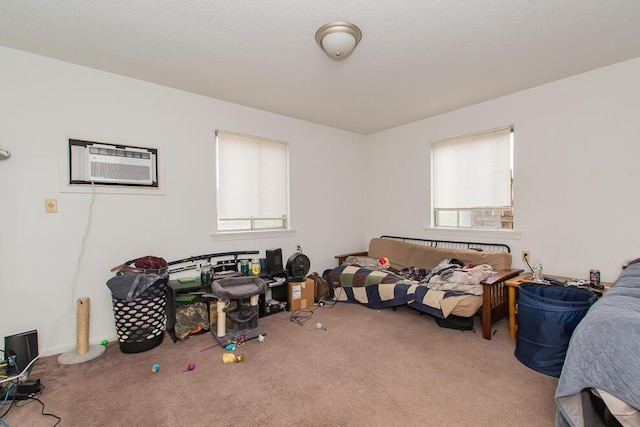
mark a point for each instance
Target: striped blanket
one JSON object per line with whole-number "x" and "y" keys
{"x": 382, "y": 288}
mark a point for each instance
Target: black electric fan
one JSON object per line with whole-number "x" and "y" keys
{"x": 298, "y": 266}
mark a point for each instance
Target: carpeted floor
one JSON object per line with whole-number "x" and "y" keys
{"x": 368, "y": 368}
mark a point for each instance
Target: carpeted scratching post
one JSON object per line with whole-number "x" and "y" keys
{"x": 83, "y": 352}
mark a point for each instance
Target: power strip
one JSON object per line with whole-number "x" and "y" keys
{"x": 25, "y": 390}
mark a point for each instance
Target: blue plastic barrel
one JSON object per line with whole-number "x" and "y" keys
{"x": 547, "y": 317}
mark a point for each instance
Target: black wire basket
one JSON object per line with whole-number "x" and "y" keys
{"x": 141, "y": 322}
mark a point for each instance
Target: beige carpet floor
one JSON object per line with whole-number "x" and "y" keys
{"x": 368, "y": 368}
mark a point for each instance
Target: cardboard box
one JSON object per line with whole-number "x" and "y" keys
{"x": 301, "y": 295}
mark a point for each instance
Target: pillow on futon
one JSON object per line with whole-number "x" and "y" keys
{"x": 363, "y": 261}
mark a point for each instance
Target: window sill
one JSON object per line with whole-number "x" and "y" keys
{"x": 247, "y": 235}
{"x": 507, "y": 234}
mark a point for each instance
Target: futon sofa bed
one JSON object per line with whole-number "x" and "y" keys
{"x": 376, "y": 280}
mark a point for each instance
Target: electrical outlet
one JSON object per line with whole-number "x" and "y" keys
{"x": 50, "y": 205}
{"x": 526, "y": 256}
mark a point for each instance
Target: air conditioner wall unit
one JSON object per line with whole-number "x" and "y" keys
{"x": 100, "y": 163}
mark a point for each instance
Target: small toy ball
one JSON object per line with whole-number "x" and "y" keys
{"x": 155, "y": 368}
{"x": 384, "y": 262}
{"x": 104, "y": 342}
{"x": 318, "y": 325}
{"x": 191, "y": 367}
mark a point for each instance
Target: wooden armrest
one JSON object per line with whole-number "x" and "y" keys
{"x": 501, "y": 276}
{"x": 343, "y": 257}
{"x": 494, "y": 299}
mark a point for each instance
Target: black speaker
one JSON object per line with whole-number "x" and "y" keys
{"x": 274, "y": 261}
{"x": 24, "y": 347}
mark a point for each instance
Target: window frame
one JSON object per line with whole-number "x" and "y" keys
{"x": 252, "y": 230}
{"x": 504, "y": 214}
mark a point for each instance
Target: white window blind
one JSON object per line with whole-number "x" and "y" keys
{"x": 252, "y": 182}
{"x": 473, "y": 171}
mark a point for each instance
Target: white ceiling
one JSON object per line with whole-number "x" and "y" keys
{"x": 417, "y": 58}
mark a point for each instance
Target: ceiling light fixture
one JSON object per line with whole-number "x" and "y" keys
{"x": 338, "y": 39}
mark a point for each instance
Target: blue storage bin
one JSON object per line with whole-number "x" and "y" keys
{"x": 547, "y": 317}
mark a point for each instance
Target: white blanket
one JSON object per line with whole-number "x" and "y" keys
{"x": 462, "y": 280}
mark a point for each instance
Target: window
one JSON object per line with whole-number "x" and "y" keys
{"x": 472, "y": 179}
{"x": 252, "y": 183}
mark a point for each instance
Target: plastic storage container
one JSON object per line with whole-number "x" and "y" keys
{"x": 141, "y": 321}
{"x": 547, "y": 317}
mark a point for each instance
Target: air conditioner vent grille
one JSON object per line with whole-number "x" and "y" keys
{"x": 116, "y": 152}
{"x": 120, "y": 172}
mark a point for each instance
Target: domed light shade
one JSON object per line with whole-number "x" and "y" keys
{"x": 338, "y": 39}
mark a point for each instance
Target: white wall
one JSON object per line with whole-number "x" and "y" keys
{"x": 43, "y": 100}
{"x": 576, "y": 170}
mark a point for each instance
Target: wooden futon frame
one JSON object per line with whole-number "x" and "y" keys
{"x": 495, "y": 304}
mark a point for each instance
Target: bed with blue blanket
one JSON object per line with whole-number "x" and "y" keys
{"x": 603, "y": 359}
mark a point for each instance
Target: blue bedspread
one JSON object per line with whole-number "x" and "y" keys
{"x": 603, "y": 353}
